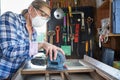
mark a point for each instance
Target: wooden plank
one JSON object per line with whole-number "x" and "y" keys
{"x": 67, "y": 76}
{"x": 34, "y": 77}
{"x": 80, "y": 70}
{"x": 62, "y": 75}
{"x": 56, "y": 77}
{"x": 38, "y": 72}
{"x": 28, "y": 69}
{"x": 47, "y": 76}
{"x": 96, "y": 76}
{"x": 18, "y": 76}
{"x": 104, "y": 70}
{"x": 80, "y": 76}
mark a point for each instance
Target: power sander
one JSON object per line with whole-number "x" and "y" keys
{"x": 57, "y": 64}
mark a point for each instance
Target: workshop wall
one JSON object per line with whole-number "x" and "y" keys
{"x": 72, "y": 3}
{"x": 75, "y": 30}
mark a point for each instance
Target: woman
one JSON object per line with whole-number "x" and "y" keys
{"x": 18, "y": 36}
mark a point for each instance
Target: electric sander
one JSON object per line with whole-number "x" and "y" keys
{"x": 57, "y": 64}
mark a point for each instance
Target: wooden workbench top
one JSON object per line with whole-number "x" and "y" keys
{"x": 73, "y": 65}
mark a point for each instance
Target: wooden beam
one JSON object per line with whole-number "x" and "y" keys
{"x": 104, "y": 70}
{"x": 96, "y": 76}
{"x": 47, "y": 76}
{"x": 67, "y": 76}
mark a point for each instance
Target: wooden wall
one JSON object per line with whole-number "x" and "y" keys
{"x": 66, "y": 3}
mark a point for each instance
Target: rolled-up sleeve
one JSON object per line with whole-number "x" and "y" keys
{"x": 33, "y": 48}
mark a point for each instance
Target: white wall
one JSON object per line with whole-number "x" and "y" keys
{"x": 14, "y": 5}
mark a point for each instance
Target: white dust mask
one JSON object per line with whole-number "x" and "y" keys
{"x": 39, "y": 21}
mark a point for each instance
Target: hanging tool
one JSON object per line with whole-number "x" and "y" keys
{"x": 66, "y": 3}
{"x": 65, "y": 38}
{"x": 83, "y": 23}
{"x": 71, "y": 30}
{"x": 57, "y": 34}
{"x": 82, "y": 15}
{"x": 62, "y": 3}
{"x": 59, "y": 13}
{"x": 64, "y": 23}
{"x": 70, "y": 11}
{"x": 51, "y": 3}
{"x": 76, "y": 36}
{"x": 86, "y": 47}
{"x": 82, "y": 19}
{"x": 51, "y": 34}
{"x": 89, "y": 22}
{"x": 68, "y": 29}
{"x": 91, "y": 48}
{"x": 66, "y": 48}
{"x": 72, "y": 38}
{"x": 75, "y": 2}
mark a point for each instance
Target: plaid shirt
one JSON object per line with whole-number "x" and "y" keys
{"x": 14, "y": 43}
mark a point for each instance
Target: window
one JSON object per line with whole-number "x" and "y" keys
{"x": 17, "y": 6}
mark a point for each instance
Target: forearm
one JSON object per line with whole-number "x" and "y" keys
{"x": 40, "y": 45}
{"x": 35, "y": 47}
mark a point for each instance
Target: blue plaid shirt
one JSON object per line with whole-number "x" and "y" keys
{"x": 14, "y": 43}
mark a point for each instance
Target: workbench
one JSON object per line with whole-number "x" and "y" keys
{"x": 77, "y": 69}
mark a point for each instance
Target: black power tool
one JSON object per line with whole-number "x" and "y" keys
{"x": 57, "y": 64}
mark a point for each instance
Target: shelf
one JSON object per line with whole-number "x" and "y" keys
{"x": 104, "y": 11}
{"x": 113, "y": 42}
{"x": 104, "y": 5}
{"x": 111, "y": 34}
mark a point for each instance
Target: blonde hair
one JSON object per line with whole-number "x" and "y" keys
{"x": 37, "y": 4}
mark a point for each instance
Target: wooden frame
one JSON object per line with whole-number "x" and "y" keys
{"x": 96, "y": 69}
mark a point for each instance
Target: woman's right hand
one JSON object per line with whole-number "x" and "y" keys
{"x": 49, "y": 48}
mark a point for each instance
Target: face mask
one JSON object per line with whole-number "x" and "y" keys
{"x": 39, "y": 21}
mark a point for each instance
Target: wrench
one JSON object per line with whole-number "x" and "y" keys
{"x": 51, "y": 34}
{"x": 89, "y": 22}
{"x": 57, "y": 34}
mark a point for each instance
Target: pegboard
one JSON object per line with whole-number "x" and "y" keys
{"x": 79, "y": 47}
